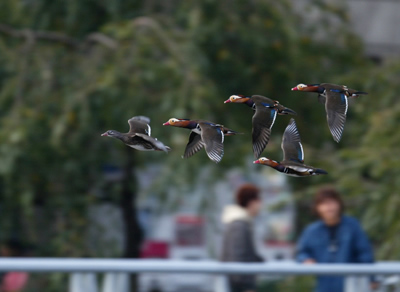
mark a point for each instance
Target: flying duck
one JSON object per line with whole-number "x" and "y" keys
{"x": 203, "y": 134}
{"x": 264, "y": 117}
{"x": 335, "y": 98}
{"x": 138, "y": 136}
{"x": 293, "y": 155}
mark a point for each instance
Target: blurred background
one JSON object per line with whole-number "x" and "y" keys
{"x": 70, "y": 70}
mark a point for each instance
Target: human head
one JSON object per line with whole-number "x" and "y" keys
{"x": 328, "y": 204}
{"x": 248, "y": 197}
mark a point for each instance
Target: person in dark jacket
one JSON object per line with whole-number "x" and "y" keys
{"x": 238, "y": 245}
{"x": 336, "y": 238}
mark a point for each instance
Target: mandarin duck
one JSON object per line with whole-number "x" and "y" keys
{"x": 293, "y": 155}
{"x": 264, "y": 117}
{"x": 203, "y": 134}
{"x": 138, "y": 136}
{"x": 335, "y": 98}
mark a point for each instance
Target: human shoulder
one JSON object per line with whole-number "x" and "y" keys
{"x": 352, "y": 222}
{"x": 313, "y": 227}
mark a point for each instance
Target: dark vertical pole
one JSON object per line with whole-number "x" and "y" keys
{"x": 133, "y": 234}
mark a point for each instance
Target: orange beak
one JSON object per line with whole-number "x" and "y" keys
{"x": 295, "y": 88}
{"x": 257, "y": 161}
{"x": 227, "y": 101}
{"x": 166, "y": 124}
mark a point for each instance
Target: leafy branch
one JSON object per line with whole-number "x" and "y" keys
{"x": 31, "y": 36}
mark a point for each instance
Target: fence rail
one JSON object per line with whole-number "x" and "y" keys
{"x": 68, "y": 265}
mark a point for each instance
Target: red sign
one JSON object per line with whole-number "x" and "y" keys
{"x": 155, "y": 249}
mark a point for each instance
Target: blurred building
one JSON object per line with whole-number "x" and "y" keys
{"x": 376, "y": 22}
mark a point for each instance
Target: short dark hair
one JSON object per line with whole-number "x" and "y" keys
{"x": 327, "y": 193}
{"x": 246, "y": 194}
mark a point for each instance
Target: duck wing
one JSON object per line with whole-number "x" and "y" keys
{"x": 213, "y": 139}
{"x": 262, "y": 100}
{"x": 263, "y": 120}
{"x": 139, "y": 124}
{"x": 194, "y": 145}
{"x": 150, "y": 143}
{"x": 291, "y": 144}
{"x": 336, "y": 109}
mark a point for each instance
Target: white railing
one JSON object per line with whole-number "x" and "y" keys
{"x": 83, "y": 271}
{"x": 186, "y": 266}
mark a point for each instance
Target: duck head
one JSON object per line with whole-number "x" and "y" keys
{"x": 266, "y": 161}
{"x": 112, "y": 133}
{"x": 304, "y": 87}
{"x": 237, "y": 99}
{"x": 177, "y": 122}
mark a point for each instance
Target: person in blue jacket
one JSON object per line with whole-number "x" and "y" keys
{"x": 335, "y": 238}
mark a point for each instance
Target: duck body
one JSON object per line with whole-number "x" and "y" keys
{"x": 263, "y": 119}
{"x": 335, "y": 98}
{"x": 204, "y": 134}
{"x": 296, "y": 170}
{"x": 293, "y": 156}
{"x": 139, "y": 136}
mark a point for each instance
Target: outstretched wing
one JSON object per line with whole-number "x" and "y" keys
{"x": 291, "y": 144}
{"x": 213, "y": 139}
{"x": 194, "y": 145}
{"x": 336, "y": 109}
{"x": 263, "y": 120}
{"x": 139, "y": 124}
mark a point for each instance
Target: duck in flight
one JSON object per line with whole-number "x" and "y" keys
{"x": 139, "y": 136}
{"x": 265, "y": 112}
{"x": 335, "y": 98}
{"x": 203, "y": 134}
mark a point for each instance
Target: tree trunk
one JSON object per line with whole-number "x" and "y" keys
{"x": 133, "y": 234}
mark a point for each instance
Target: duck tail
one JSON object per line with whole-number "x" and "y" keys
{"x": 361, "y": 92}
{"x": 357, "y": 93}
{"x": 229, "y": 132}
{"x": 319, "y": 171}
{"x": 286, "y": 111}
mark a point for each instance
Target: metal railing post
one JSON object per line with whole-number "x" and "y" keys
{"x": 115, "y": 282}
{"x": 82, "y": 282}
{"x": 357, "y": 284}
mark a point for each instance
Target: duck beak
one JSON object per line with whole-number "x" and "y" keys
{"x": 257, "y": 161}
{"x": 104, "y": 134}
{"x": 227, "y": 101}
{"x": 166, "y": 124}
{"x": 295, "y": 88}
